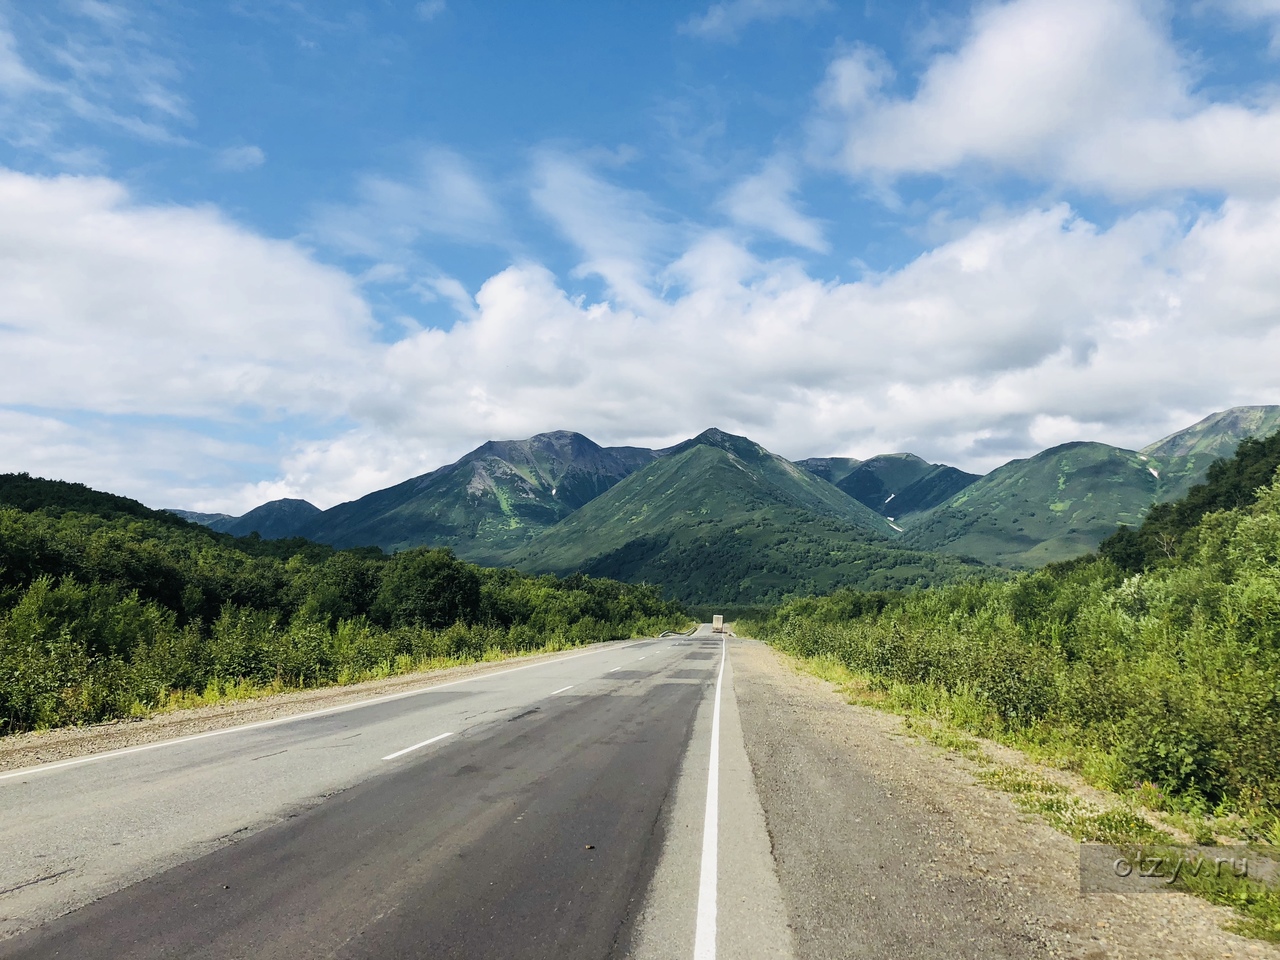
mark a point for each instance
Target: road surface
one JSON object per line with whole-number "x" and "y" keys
{"x": 660, "y": 799}
{"x": 557, "y": 809}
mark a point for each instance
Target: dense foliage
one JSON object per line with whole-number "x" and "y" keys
{"x": 1157, "y": 662}
{"x": 1229, "y": 484}
{"x": 108, "y": 609}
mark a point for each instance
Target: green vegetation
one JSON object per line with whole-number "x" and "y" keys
{"x": 1056, "y": 505}
{"x": 1167, "y": 677}
{"x": 109, "y": 609}
{"x": 720, "y": 520}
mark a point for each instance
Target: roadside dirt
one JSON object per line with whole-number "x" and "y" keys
{"x": 48, "y": 746}
{"x": 887, "y": 846}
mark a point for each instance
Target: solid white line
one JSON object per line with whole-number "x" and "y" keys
{"x": 124, "y": 751}
{"x": 424, "y": 743}
{"x": 704, "y": 940}
{"x": 561, "y": 690}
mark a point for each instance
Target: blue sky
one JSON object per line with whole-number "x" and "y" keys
{"x": 270, "y": 248}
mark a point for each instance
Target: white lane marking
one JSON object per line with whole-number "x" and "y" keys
{"x": 704, "y": 940}
{"x": 417, "y": 746}
{"x": 561, "y": 690}
{"x": 123, "y": 751}
{"x": 615, "y": 669}
{"x": 640, "y": 658}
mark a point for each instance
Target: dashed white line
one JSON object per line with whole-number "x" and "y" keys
{"x": 561, "y": 690}
{"x": 324, "y": 711}
{"x": 615, "y": 669}
{"x": 704, "y": 940}
{"x": 417, "y": 746}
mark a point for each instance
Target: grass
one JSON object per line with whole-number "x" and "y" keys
{"x": 234, "y": 690}
{"x": 1129, "y": 821}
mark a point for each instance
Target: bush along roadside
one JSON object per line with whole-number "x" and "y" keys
{"x": 106, "y": 617}
{"x": 1160, "y": 683}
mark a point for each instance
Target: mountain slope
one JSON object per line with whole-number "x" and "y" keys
{"x": 897, "y": 485}
{"x": 936, "y": 487}
{"x": 720, "y": 519}
{"x": 489, "y": 502}
{"x": 876, "y": 481}
{"x": 1183, "y": 458}
{"x": 271, "y": 521}
{"x": 1058, "y": 504}
{"x": 830, "y": 469}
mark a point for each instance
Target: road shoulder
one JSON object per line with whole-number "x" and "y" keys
{"x": 887, "y": 846}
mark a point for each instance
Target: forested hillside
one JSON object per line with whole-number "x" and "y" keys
{"x": 108, "y": 609}
{"x": 1153, "y": 666}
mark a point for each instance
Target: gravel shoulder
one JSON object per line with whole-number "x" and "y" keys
{"x": 65, "y": 743}
{"x": 888, "y": 846}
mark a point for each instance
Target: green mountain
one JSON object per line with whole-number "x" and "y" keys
{"x": 830, "y": 469}
{"x": 56, "y": 497}
{"x": 936, "y": 487}
{"x": 1058, "y": 504}
{"x": 1182, "y": 459}
{"x": 720, "y": 519}
{"x": 896, "y": 485}
{"x": 204, "y": 519}
{"x": 271, "y": 521}
{"x": 491, "y": 501}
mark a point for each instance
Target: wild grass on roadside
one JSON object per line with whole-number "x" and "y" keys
{"x": 229, "y": 691}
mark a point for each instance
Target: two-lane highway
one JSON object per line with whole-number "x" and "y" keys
{"x": 543, "y": 810}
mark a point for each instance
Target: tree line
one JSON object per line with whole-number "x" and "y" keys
{"x": 109, "y": 609}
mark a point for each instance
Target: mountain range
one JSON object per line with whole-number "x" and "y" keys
{"x": 719, "y": 518}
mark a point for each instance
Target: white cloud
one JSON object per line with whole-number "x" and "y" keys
{"x": 441, "y": 197}
{"x": 15, "y": 76}
{"x": 101, "y": 65}
{"x": 981, "y": 350}
{"x": 621, "y": 233}
{"x": 1024, "y": 328}
{"x": 240, "y": 159}
{"x": 727, "y": 19}
{"x": 117, "y": 307}
{"x": 765, "y": 201}
{"x": 1091, "y": 94}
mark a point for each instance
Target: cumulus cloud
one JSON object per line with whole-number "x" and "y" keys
{"x": 766, "y": 201}
{"x": 984, "y": 348}
{"x": 240, "y": 159}
{"x": 118, "y": 307}
{"x": 726, "y": 20}
{"x": 121, "y": 320}
{"x": 1092, "y": 94}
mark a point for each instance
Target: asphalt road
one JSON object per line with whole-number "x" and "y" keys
{"x": 557, "y": 809}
